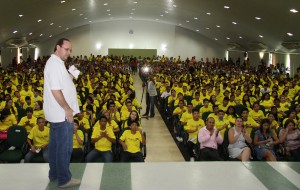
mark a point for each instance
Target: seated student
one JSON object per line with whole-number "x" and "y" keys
{"x": 231, "y": 115}
{"x": 186, "y": 116}
{"x": 28, "y": 121}
{"x": 290, "y": 136}
{"x": 114, "y": 113}
{"x": 167, "y": 92}
{"x": 89, "y": 114}
{"x": 111, "y": 123}
{"x": 215, "y": 112}
{"x": 192, "y": 127}
{"x": 133, "y": 116}
{"x": 205, "y": 108}
{"x": 102, "y": 137}
{"x": 131, "y": 141}
{"x": 84, "y": 123}
{"x": 38, "y": 109}
{"x": 28, "y": 103}
{"x": 126, "y": 112}
{"x": 237, "y": 137}
{"x": 264, "y": 141}
{"x": 221, "y": 123}
{"x": 209, "y": 137}
{"x": 196, "y": 101}
{"x": 256, "y": 114}
{"x": 224, "y": 106}
{"x": 179, "y": 98}
{"x": 248, "y": 122}
{"x": 180, "y": 109}
{"x": 274, "y": 126}
{"x": 7, "y": 119}
{"x": 266, "y": 101}
{"x": 292, "y": 115}
{"x": 38, "y": 140}
{"x": 78, "y": 139}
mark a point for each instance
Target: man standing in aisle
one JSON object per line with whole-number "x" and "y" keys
{"x": 150, "y": 96}
{"x": 60, "y": 105}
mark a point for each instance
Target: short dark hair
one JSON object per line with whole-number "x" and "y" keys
{"x": 60, "y": 42}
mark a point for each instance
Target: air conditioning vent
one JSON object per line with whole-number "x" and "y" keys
{"x": 233, "y": 45}
{"x": 16, "y": 42}
{"x": 257, "y": 46}
{"x": 291, "y": 45}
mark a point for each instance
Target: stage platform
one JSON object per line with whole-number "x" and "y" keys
{"x": 159, "y": 176}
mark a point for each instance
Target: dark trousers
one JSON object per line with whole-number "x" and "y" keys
{"x": 296, "y": 154}
{"x": 210, "y": 154}
{"x": 132, "y": 157}
{"x": 150, "y": 103}
{"x": 190, "y": 146}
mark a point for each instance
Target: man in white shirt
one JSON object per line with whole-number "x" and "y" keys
{"x": 166, "y": 93}
{"x": 150, "y": 96}
{"x": 60, "y": 105}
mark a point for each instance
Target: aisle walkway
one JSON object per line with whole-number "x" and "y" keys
{"x": 160, "y": 144}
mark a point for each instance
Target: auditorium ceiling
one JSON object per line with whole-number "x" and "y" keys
{"x": 239, "y": 24}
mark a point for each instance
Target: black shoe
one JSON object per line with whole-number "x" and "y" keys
{"x": 151, "y": 115}
{"x": 145, "y": 114}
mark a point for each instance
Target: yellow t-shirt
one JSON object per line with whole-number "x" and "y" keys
{"x": 133, "y": 141}
{"x": 192, "y": 125}
{"x": 38, "y": 113}
{"x": 256, "y": 115}
{"x": 8, "y": 122}
{"x": 267, "y": 104}
{"x": 251, "y": 122}
{"x": 112, "y": 124}
{"x": 103, "y": 144}
{"x": 31, "y": 121}
{"x": 196, "y": 102}
{"x": 75, "y": 142}
{"x": 186, "y": 116}
{"x": 38, "y": 137}
{"x": 178, "y": 110}
{"x": 204, "y": 109}
{"x": 219, "y": 124}
{"x": 85, "y": 123}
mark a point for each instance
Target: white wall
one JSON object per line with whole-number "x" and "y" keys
{"x": 7, "y": 54}
{"x": 146, "y": 35}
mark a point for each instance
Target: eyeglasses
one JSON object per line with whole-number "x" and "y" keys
{"x": 67, "y": 49}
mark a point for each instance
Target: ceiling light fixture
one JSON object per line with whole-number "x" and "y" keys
{"x": 208, "y": 13}
{"x": 109, "y": 14}
{"x": 216, "y": 39}
{"x": 105, "y": 4}
{"x": 240, "y": 37}
{"x": 227, "y": 38}
{"x": 30, "y": 34}
{"x": 133, "y": 9}
{"x": 41, "y": 34}
{"x": 207, "y": 28}
{"x": 157, "y": 19}
{"x": 21, "y": 16}
{"x": 218, "y": 26}
{"x": 59, "y": 26}
{"x": 197, "y": 30}
{"x": 131, "y": 13}
{"x": 179, "y": 24}
{"x": 67, "y": 28}
{"x": 195, "y": 18}
{"x": 51, "y": 23}
{"x": 80, "y": 14}
{"x": 226, "y": 7}
{"x": 15, "y": 31}
{"x": 73, "y": 9}
{"x": 108, "y": 10}
{"x": 174, "y": 5}
{"x": 40, "y": 20}
{"x": 166, "y": 12}
{"x": 290, "y": 34}
{"x": 50, "y": 36}
{"x": 161, "y": 15}
{"x": 130, "y": 17}
{"x": 261, "y": 36}
{"x": 293, "y": 11}
{"x": 234, "y": 23}
{"x": 135, "y": 2}
{"x": 187, "y": 21}
{"x": 62, "y": 1}
{"x": 257, "y": 18}
{"x": 85, "y": 18}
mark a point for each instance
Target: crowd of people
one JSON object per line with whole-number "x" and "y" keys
{"x": 211, "y": 101}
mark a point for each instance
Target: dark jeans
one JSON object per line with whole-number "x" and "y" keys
{"x": 30, "y": 155}
{"x": 132, "y": 157}
{"x": 150, "y": 102}
{"x": 190, "y": 146}
{"x": 296, "y": 154}
{"x": 77, "y": 155}
{"x": 210, "y": 154}
{"x": 94, "y": 154}
{"x": 60, "y": 150}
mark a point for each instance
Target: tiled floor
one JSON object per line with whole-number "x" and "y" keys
{"x": 159, "y": 176}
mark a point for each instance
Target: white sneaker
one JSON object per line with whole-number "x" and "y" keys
{"x": 179, "y": 139}
{"x": 192, "y": 159}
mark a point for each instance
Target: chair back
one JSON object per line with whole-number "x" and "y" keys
{"x": 16, "y": 136}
